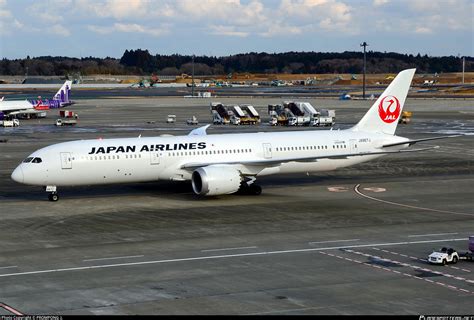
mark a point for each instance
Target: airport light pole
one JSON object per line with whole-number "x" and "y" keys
{"x": 192, "y": 81}
{"x": 463, "y": 67}
{"x": 364, "y": 44}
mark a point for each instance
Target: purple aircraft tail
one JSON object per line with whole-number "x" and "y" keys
{"x": 59, "y": 100}
{"x": 63, "y": 94}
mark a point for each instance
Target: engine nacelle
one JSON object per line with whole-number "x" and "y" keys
{"x": 216, "y": 180}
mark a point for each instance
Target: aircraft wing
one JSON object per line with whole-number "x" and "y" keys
{"x": 20, "y": 111}
{"x": 29, "y": 111}
{"x": 412, "y": 142}
{"x": 275, "y": 162}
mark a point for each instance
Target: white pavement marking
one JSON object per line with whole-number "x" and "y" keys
{"x": 114, "y": 258}
{"x": 345, "y": 240}
{"x": 200, "y": 258}
{"x": 416, "y": 258}
{"x": 411, "y": 266}
{"x": 9, "y": 267}
{"x": 226, "y": 249}
{"x": 375, "y": 189}
{"x": 356, "y": 189}
{"x": 338, "y": 189}
{"x": 431, "y": 234}
{"x": 394, "y": 271}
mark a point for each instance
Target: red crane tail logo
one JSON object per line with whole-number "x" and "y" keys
{"x": 389, "y": 109}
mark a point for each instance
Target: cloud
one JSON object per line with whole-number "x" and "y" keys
{"x": 129, "y": 27}
{"x": 7, "y": 22}
{"x": 124, "y": 9}
{"x": 326, "y": 14}
{"x": 378, "y": 3}
{"x": 270, "y": 23}
{"x": 227, "y": 31}
{"x": 278, "y": 30}
{"x": 58, "y": 29}
{"x": 423, "y": 30}
{"x": 224, "y": 11}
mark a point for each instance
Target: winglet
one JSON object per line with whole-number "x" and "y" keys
{"x": 201, "y": 131}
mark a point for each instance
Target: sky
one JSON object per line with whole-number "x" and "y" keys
{"x": 100, "y": 28}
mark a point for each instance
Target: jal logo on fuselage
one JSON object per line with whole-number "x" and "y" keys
{"x": 389, "y": 109}
{"x": 149, "y": 147}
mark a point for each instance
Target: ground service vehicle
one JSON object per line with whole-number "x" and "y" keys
{"x": 192, "y": 121}
{"x": 10, "y": 123}
{"x": 444, "y": 256}
{"x": 66, "y": 122}
{"x": 405, "y": 117}
{"x": 469, "y": 255}
{"x": 171, "y": 118}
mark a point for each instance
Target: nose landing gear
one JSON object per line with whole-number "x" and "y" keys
{"x": 53, "y": 195}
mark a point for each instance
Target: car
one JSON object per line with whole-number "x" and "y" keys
{"x": 171, "y": 118}
{"x": 444, "y": 256}
{"x": 192, "y": 121}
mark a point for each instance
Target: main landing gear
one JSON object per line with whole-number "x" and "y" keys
{"x": 252, "y": 189}
{"x": 255, "y": 189}
{"x": 53, "y": 195}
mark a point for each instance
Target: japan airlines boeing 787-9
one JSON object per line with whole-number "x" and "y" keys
{"x": 222, "y": 163}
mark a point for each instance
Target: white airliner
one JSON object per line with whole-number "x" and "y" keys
{"x": 222, "y": 163}
{"x": 59, "y": 100}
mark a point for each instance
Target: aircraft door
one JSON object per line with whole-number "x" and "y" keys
{"x": 353, "y": 144}
{"x": 267, "y": 150}
{"x": 155, "y": 157}
{"x": 66, "y": 161}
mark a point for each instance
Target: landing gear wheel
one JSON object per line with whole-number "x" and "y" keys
{"x": 255, "y": 189}
{"x": 53, "y": 196}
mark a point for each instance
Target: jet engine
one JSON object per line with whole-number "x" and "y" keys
{"x": 215, "y": 180}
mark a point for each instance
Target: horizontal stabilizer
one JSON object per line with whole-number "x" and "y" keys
{"x": 201, "y": 131}
{"x": 412, "y": 142}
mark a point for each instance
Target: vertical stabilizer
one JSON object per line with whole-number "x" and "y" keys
{"x": 383, "y": 115}
{"x": 63, "y": 94}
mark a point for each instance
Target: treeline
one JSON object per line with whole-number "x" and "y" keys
{"x": 141, "y": 62}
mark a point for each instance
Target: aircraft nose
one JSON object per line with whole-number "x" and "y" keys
{"x": 17, "y": 175}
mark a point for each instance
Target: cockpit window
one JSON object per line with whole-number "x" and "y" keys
{"x": 28, "y": 160}
{"x": 37, "y": 160}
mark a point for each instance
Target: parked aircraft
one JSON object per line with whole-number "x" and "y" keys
{"x": 59, "y": 100}
{"x": 222, "y": 163}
